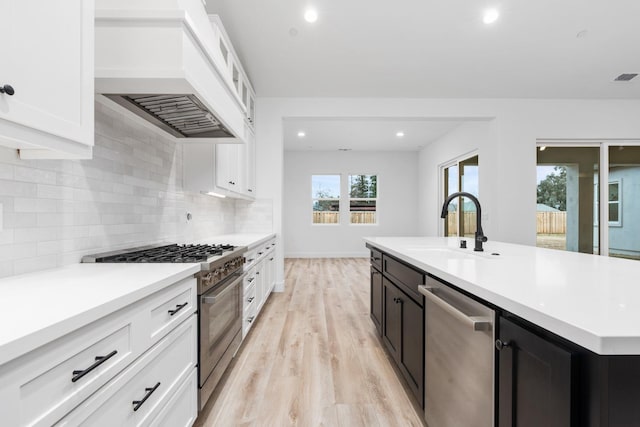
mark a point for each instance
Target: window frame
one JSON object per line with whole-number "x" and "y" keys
{"x": 350, "y": 199}
{"x": 617, "y": 223}
{"x": 329, "y": 199}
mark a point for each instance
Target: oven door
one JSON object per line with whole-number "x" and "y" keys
{"x": 220, "y": 322}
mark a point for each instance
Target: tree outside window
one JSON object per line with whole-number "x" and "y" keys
{"x": 363, "y": 197}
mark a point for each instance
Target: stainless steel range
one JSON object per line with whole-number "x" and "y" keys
{"x": 219, "y": 300}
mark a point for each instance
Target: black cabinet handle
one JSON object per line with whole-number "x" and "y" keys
{"x": 271, "y": 259}
{"x": 250, "y": 319}
{"x": 178, "y": 308}
{"x": 250, "y": 190}
{"x": 257, "y": 272}
{"x": 397, "y": 300}
{"x": 99, "y": 361}
{"x": 259, "y": 253}
{"x": 138, "y": 403}
{"x": 7, "y": 89}
{"x": 250, "y": 299}
{"x": 502, "y": 344}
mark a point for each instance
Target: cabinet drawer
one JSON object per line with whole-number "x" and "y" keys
{"x": 182, "y": 408}
{"x": 44, "y": 385}
{"x": 376, "y": 258}
{"x": 250, "y": 259}
{"x": 170, "y": 307}
{"x": 135, "y": 396}
{"x": 249, "y": 318}
{"x": 249, "y": 280}
{"x": 248, "y": 299}
{"x": 404, "y": 276}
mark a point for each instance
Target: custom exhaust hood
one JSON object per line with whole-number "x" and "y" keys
{"x": 183, "y": 116}
{"x": 159, "y": 60}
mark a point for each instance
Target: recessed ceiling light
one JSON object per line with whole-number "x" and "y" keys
{"x": 400, "y": 134}
{"x": 301, "y": 134}
{"x": 490, "y": 16}
{"x": 310, "y": 15}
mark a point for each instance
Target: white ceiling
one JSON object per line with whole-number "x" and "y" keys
{"x": 437, "y": 48}
{"x": 358, "y": 134}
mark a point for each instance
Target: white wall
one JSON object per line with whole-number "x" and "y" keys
{"x": 508, "y": 159}
{"x": 129, "y": 194}
{"x": 397, "y": 207}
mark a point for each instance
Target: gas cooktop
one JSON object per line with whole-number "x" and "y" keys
{"x": 164, "y": 253}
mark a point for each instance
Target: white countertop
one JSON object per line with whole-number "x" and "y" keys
{"x": 591, "y": 300}
{"x": 37, "y": 308}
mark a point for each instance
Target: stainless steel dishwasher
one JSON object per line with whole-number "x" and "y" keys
{"x": 459, "y": 358}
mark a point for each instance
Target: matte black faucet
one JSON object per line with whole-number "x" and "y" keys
{"x": 480, "y": 237}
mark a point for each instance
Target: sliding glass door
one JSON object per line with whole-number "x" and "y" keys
{"x": 623, "y": 201}
{"x": 571, "y": 182}
{"x": 461, "y": 176}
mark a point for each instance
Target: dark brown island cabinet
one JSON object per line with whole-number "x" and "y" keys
{"x": 541, "y": 379}
{"x": 397, "y": 310}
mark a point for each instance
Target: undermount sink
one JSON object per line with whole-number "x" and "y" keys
{"x": 452, "y": 252}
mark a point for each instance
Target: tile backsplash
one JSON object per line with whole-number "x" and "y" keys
{"x": 130, "y": 193}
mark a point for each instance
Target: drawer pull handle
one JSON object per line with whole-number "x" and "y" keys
{"x": 178, "y": 308}
{"x": 271, "y": 259}
{"x": 398, "y": 300}
{"x": 259, "y": 253}
{"x": 7, "y": 89}
{"x": 250, "y": 260}
{"x": 251, "y": 279}
{"x": 500, "y": 345}
{"x": 250, "y": 319}
{"x": 99, "y": 361}
{"x": 138, "y": 403}
{"x": 250, "y": 299}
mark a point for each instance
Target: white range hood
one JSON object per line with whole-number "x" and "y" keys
{"x": 159, "y": 59}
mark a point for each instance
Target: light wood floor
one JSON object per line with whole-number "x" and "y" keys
{"x": 313, "y": 358}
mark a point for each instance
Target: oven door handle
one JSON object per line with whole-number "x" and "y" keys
{"x": 211, "y": 299}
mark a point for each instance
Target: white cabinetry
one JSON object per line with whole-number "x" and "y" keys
{"x": 232, "y": 70}
{"x": 218, "y": 169}
{"x": 47, "y": 58}
{"x": 259, "y": 281}
{"x": 229, "y": 167}
{"x": 95, "y": 373}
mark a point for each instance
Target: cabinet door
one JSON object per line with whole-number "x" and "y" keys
{"x": 225, "y": 166}
{"x": 392, "y": 317}
{"x": 250, "y": 164}
{"x": 412, "y": 352}
{"x": 47, "y": 57}
{"x": 376, "y": 299}
{"x": 534, "y": 384}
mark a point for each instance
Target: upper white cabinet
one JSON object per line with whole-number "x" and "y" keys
{"x": 234, "y": 73}
{"x": 48, "y": 62}
{"x": 219, "y": 169}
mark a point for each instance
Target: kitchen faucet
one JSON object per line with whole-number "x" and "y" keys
{"x": 480, "y": 237}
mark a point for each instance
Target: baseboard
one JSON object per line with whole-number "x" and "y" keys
{"x": 363, "y": 254}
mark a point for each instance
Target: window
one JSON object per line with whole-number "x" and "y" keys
{"x": 363, "y": 197}
{"x": 325, "y": 195}
{"x": 614, "y": 204}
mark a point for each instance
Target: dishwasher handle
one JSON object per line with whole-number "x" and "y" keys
{"x": 476, "y": 323}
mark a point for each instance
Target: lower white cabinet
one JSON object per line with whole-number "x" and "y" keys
{"x": 135, "y": 397}
{"x": 91, "y": 376}
{"x": 259, "y": 282}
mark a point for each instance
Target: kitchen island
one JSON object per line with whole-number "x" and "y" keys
{"x": 577, "y": 315}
